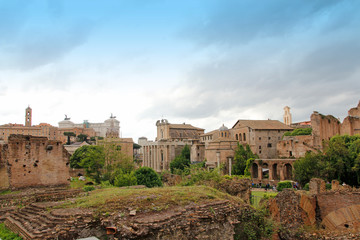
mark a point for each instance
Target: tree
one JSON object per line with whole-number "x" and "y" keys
{"x": 92, "y": 159}
{"x": 182, "y": 161}
{"x": 340, "y": 160}
{"x": 69, "y": 134}
{"x": 241, "y": 159}
{"x": 148, "y": 177}
{"x": 82, "y": 137}
{"x": 308, "y": 167}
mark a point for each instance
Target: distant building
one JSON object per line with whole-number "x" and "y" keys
{"x": 170, "y": 140}
{"x": 43, "y": 129}
{"x": 100, "y": 129}
{"x": 324, "y": 127}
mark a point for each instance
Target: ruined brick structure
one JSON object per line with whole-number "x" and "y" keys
{"x": 336, "y": 209}
{"x": 323, "y": 128}
{"x": 33, "y": 161}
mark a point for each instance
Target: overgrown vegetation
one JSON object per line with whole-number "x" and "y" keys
{"x": 102, "y": 163}
{"x": 147, "y": 199}
{"x": 243, "y": 160}
{"x": 182, "y": 162}
{"x": 6, "y": 234}
{"x": 282, "y": 185}
{"x": 299, "y": 132}
{"x": 148, "y": 177}
{"x": 340, "y": 160}
{"x": 254, "y": 224}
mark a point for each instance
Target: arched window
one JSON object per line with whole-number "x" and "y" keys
{"x": 237, "y": 137}
{"x": 244, "y": 137}
{"x": 240, "y": 137}
{"x": 222, "y": 134}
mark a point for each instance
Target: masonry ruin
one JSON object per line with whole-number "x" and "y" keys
{"x": 29, "y": 161}
{"x": 337, "y": 209}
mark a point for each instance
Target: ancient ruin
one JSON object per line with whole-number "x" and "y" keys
{"x": 29, "y": 161}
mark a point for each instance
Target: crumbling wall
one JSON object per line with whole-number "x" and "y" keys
{"x": 4, "y": 177}
{"x": 350, "y": 125}
{"x": 324, "y": 127}
{"x": 237, "y": 187}
{"x": 333, "y": 209}
{"x": 36, "y": 161}
{"x": 294, "y": 146}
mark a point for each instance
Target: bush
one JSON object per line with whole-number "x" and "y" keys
{"x": 306, "y": 187}
{"x": 148, "y": 177}
{"x": 125, "y": 179}
{"x": 88, "y": 188}
{"x": 284, "y": 184}
{"x": 6, "y": 234}
{"x": 253, "y": 225}
{"x": 299, "y": 132}
{"x": 328, "y": 186}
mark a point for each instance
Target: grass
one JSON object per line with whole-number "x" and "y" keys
{"x": 76, "y": 183}
{"x": 148, "y": 199}
{"x": 6, "y": 234}
{"x": 259, "y": 195}
{"x": 8, "y": 192}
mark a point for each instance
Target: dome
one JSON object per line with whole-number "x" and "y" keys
{"x": 223, "y": 128}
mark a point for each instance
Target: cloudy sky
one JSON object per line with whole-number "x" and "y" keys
{"x": 204, "y": 62}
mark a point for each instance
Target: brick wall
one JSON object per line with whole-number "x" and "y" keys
{"x": 36, "y": 161}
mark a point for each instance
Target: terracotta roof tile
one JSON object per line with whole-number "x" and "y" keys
{"x": 262, "y": 124}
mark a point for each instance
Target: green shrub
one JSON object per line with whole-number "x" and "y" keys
{"x": 306, "y": 187}
{"x": 328, "y": 186}
{"x": 88, "y": 188}
{"x": 253, "y": 225}
{"x": 148, "y": 177}
{"x": 199, "y": 176}
{"x": 284, "y": 184}
{"x": 299, "y": 131}
{"x": 125, "y": 179}
{"x": 6, "y": 234}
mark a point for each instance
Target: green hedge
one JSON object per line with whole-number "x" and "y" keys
{"x": 284, "y": 184}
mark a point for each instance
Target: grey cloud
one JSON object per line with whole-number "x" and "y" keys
{"x": 235, "y": 22}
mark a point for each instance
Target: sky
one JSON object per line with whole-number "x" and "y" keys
{"x": 203, "y": 62}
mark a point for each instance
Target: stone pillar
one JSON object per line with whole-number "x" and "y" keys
{"x": 218, "y": 159}
{"x": 316, "y": 186}
{"x": 144, "y": 156}
{"x": 230, "y": 165}
{"x": 271, "y": 177}
{"x": 281, "y": 170}
{"x": 334, "y": 185}
{"x": 260, "y": 172}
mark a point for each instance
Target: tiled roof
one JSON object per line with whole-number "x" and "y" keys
{"x": 262, "y": 124}
{"x": 184, "y": 126}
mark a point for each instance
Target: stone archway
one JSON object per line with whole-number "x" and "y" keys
{"x": 254, "y": 171}
{"x": 265, "y": 171}
{"x": 274, "y": 172}
{"x": 288, "y": 171}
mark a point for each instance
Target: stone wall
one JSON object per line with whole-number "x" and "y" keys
{"x": 324, "y": 127}
{"x": 295, "y": 146}
{"x": 35, "y": 161}
{"x": 332, "y": 210}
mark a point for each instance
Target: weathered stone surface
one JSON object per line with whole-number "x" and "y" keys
{"x": 316, "y": 186}
{"x": 29, "y": 161}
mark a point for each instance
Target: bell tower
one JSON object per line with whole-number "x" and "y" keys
{"x": 28, "y": 116}
{"x": 287, "y": 116}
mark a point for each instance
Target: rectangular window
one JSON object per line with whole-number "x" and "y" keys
{"x": 259, "y": 147}
{"x": 269, "y": 145}
{"x": 259, "y": 138}
{"x": 269, "y": 138}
